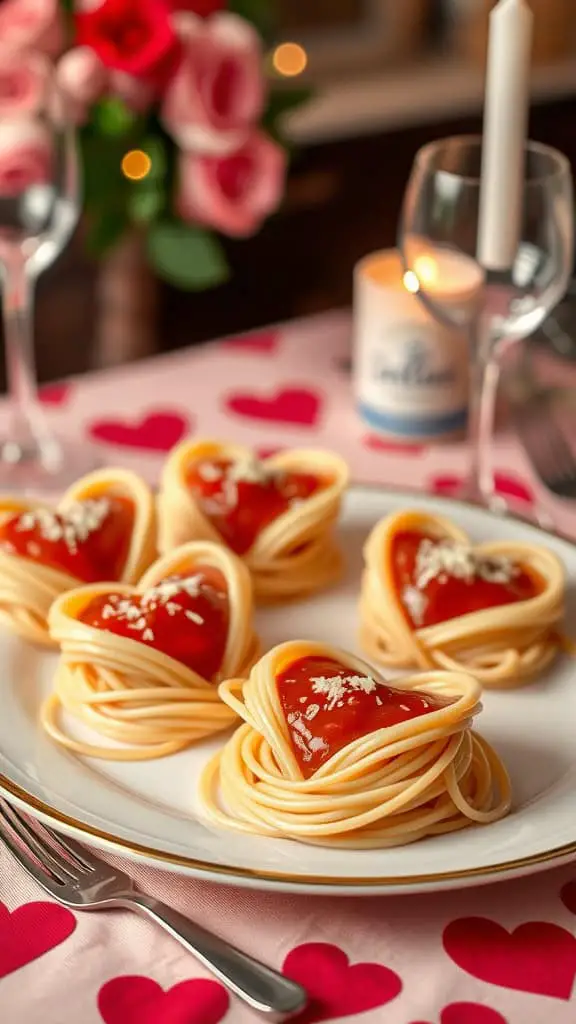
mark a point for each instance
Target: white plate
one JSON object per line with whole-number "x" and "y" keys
{"x": 146, "y": 810}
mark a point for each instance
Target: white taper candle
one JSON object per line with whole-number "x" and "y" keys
{"x": 505, "y": 133}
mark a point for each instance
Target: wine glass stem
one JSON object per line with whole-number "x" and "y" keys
{"x": 485, "y": 376}
{"x": 28, "y": 428}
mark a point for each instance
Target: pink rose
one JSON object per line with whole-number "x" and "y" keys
{"x": 24, "y": 82}
{"x": 218, "y": 91}
{"x": 32, "y": 24}
{"x": 136, "y": 93}
{"x": 26, "y": 156}
{"x": 82, "y": 74}
{"x": 235, "y": 193}
{"x": 81, "y": 79}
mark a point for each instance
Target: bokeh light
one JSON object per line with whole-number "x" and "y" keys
{"x": 136, "y": 164}
{"x": 289, "y": 59}
{"x": 426, "y": 269}
{"x": 411, "y": 282}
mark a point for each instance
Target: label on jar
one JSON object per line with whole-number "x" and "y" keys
{"x": 411, "y": 377}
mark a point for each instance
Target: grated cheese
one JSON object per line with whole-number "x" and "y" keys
{"x": 73, "y": 526}
{"x": 194, "y": 617}
{"x": 250, "y": 471}
{"x": 335, "y": 688}
{"x": 209, "y": 472}
{"x": 159, "y": 596}
{"x": 415, "y": 603}
{"x": 444, "y": 557}
{"x": 169, "y": 588}
{"x": 317, "y": 743}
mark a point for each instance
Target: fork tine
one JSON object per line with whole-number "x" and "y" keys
{"x": 42, "y": 876}
{"x": 80, "y": 856}
{"x": 53, "y": 864}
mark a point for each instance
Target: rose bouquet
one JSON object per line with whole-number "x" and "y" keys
{"x": 177, "y": 119}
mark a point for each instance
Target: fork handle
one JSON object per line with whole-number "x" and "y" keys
{"x": 261, "y": 987}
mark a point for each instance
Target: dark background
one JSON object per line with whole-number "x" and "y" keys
{"x": 343, "y": 201}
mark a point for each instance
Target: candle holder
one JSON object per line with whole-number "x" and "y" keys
{"x": 410, "y": 370}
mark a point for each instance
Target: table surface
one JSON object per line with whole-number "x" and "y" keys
{"x": 505, "y": 954}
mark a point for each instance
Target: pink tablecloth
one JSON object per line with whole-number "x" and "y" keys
{"x": 499, "y": 955}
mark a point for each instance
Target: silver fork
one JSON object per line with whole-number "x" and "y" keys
{"x": 78, "y": 879}
{"x": 546, "y": 445}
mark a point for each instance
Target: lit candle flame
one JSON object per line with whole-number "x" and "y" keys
{"x": 411, "y": 282}
{"x": 426, "y": 269}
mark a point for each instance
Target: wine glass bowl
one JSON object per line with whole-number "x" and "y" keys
{"x": 440, "y": 228}
{"x": 39, "y": 211}
{"x": 39, "y": 194}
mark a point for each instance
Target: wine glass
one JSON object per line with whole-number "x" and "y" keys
{"x": 39, "y": 210}
{"x": 439, "y": 231}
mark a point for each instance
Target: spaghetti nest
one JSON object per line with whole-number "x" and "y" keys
{"x": 292, "y": 556}
{"x": 28, "y": 588}
{"x": 424, "y": 777}
{"x": 132, "y": 693}
{"x": 503, "y": 647}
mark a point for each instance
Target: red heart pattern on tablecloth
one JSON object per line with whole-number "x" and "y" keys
{"x": 568, "y": 896}
{"x": 297, "y": 406}
{"x": 265, "y": 342}
{"x": 389, "y": 447}
{"x": 506, "y": 485}
{"x": 336, "y": 987}
{"x": 140, "y": 1000}
{"x": 468, "y": 1013}
{"x": 31, "y": 931}
{"x": 158, "y": 431}
{"x": 55, "y": 394}
{"x": 536, "y": 957}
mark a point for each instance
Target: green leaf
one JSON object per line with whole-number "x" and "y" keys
{"x": 155, "y": 147}
{"x": 113, "y": 117}
{"x": 146, "y": 201}
{"x": 104, "y": 183}
{"x": 259, "y": 13}
{"x": 105, "y": 228}
{"x": 187, "y": 257}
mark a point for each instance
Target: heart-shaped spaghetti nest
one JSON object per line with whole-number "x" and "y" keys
{"x": 503, "y": 645}
{"x": 293, "y": 770}
{"x": 132, "y": 658}
{"x": 278, "y": 513}
{"x": 104, "y": 527}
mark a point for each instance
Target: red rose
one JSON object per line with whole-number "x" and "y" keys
{"x": 132, "y": 36}
{"x": 203, "y": 8}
